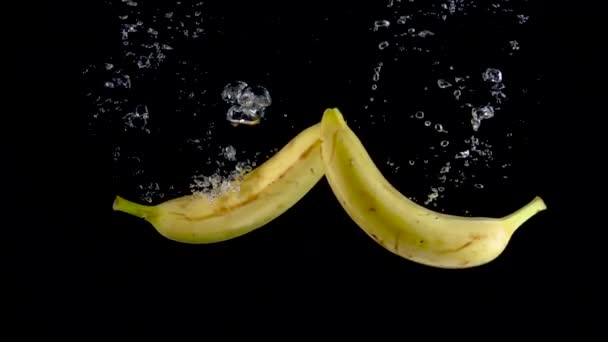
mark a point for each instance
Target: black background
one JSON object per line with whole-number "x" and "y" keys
{"x": 77, "y": 267}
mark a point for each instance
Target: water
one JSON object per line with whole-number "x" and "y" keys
{"x": 452, "y": 100}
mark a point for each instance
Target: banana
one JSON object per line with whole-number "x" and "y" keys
{"x": 397, "y": 223}
{"x": 264, "y": 194}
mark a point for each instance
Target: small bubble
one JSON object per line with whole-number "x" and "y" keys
{"x": 457, "y": 94}
{"x": 523, "y": 18}
{"x": 229, "y": 152}
{"x": 403, "y": 19}
{"x": 109, "y": 85}
{"x": 374, "y": 86}
{"x": 412, "y": 162}
{"x": 377, "y": 70}
{"x": 380, "y": 24}
{"x": 462, "y": 154}
{"x": 492, "y": 75}
{"x": 439, "y": 128}
{"x": 383, "y": 45}
{"x": 427, "y": 123}
{"x": 441, "y": 83}
{"x": 479, "y": 186}
{"x": 441, "y": 189}
{"x": 475, "y": 123}
{"x": 109, "y": 66}
{"x": 419, "y": 115}
{"x": 425, "y": 33}
{"x": 444, "y": 143}
{"x": 514, "y": 45}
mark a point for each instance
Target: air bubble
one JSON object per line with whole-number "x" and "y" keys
{"x": 523, "y": 18}
{"x": 425, "y": 33}
{"x": 380, "y": 24}
{"x": 439, "y": 128}
{"x": 143, "y": 62}
{"x": 427, "y": 123}
{"x": 383, "y": 45}
{"x": 239, "y": 115}
{"x": 485, "y": 112}
{"x": 255, "y": 97}
{"x": 441, "y": 83}
{"x": 492, "y": 75}
{"x": 403, "y": 19}
{"x": 479, "y": 186}
{"x": 479, "y": 114}
{"x": 444, "y": 143}
{"x": 514, "y": 45}
{"x": 462, "y": 154}
{"x": 419, "y": 115}
{"x": 229, "y": 152}
{"x": 232, "y": 91}
{"x": 457, "y": 94}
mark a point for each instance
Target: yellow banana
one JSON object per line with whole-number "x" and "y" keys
{"x": 399, "y": 224}
{"x": 264, "y": 194}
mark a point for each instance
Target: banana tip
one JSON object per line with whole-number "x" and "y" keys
{"x": 540, "y": 203}
{"x": 115, "y": 203}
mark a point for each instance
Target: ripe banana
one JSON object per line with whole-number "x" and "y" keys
{"x": 399, "y": 224}
{"x": 264, "y": 193}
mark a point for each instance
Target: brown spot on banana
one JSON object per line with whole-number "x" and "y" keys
{"x": 397, "y": 242}
{"x": 446, "y": 251}
{"x": 476, "y": 236}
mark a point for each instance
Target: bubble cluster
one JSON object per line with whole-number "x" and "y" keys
{"x": 226, "y": 177}
{"x": 248, "y": 103}
{"x": 481, "y": 113}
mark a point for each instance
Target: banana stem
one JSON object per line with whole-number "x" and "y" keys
{"x": 522, "y": 215}
{"x": 135, "y": 209}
